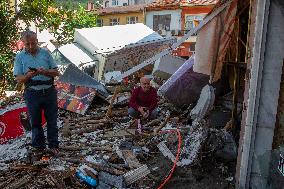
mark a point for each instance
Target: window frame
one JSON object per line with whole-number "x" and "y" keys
{"x": 112, "y": 23}
{"x": 129, "y": 21}
{"x": 114, "y": 2}
{"x": 162, "y": 22}
{"x": 197, "y": 17}
{"x": 101, "y": 22}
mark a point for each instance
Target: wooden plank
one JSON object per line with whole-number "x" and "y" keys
{"x": 131, "y": 159}
{"x": 19, "y": 182}
{"x": 120, "y": 133}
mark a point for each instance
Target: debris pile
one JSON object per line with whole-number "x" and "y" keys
{"x": 104, "y": 149}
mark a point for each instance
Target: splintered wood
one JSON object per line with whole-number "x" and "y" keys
{"x": 109, "y": 111}
{"x": 19, "y": 182}
{"x": 131, "y": 159}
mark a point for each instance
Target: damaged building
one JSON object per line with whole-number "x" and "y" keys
{"x": 100, "y": 50}
{"x": 220, "y": 123}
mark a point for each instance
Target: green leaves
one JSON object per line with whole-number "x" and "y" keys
{"x": 9, "y": 36}
{"x": 62, "y": 22}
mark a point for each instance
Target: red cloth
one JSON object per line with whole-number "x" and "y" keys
{"x": 10, "y": 124}
{"x": 147, "y": 99}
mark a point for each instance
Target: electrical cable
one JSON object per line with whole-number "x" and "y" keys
{"x": 176, "y": 159}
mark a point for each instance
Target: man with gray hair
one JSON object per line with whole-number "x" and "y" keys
{"x": 36, "y": 68}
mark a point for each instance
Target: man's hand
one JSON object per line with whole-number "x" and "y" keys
{"x": 41, "y": 71}
{"x": 144, "y": 112}
{"x": 48, "y": 73}
{"x": 30, "y": 74}
{"x": 26, "y": 77}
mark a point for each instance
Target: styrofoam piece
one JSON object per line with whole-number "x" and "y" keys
{"x": 136, "y": 174}
{"x": 204, "y": 104}
{"x": 166, "y": 152}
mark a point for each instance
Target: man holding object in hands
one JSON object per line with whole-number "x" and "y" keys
{"x": 36, "y": 68}
{"x": 143, "y": 100}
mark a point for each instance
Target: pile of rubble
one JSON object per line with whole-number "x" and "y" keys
{"x": 111, "y": 152}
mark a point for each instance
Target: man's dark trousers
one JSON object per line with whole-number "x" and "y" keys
{"x": 36, "y": 101}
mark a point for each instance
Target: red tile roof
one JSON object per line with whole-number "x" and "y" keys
{"x": 168, "y": 3}
{"x": 199, "y": 2}
{"x": 121, "y": 9}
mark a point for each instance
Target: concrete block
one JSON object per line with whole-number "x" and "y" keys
{"x": 166, "y": 66}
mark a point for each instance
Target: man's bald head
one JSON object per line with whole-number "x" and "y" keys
{"x": 144, "y": 79}
{"x": 145, "y": 83}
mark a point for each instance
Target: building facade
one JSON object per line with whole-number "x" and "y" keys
{"x": 119, "y": 3}
{"x": 176, "y": 18}
{"x": 121, "y": 15}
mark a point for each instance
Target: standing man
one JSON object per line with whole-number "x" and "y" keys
{"x": 143, "y": 100}
{"x": 36, "y": 68}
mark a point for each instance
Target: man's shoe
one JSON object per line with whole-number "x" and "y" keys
{"x": 35, "y": 154}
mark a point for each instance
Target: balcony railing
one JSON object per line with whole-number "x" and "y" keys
{"x": 173, "y": 32}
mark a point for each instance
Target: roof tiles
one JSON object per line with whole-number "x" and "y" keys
{"x": 121, "y": 9}
{"x": 163, "y": 3}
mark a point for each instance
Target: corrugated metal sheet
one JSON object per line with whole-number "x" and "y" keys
{"x": 108, "y": 39}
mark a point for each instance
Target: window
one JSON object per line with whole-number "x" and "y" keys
{"x": 114, "y": 21}
{"x": 192, "y": 47}
{"x": 191, "y": 21}
{"x": 100, "y": 22}
{"x": 132, "y": 20}
{"x": 161, "y": 22}
{"x": 124, "y": 4}
{"x": 114, "y": 2}
{"x": 131, "y": 2}
{"x": 107, "y": 4}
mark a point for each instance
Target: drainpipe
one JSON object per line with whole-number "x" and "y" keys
{"x": 254, "y": 93}
{"x": 144, "y": 15}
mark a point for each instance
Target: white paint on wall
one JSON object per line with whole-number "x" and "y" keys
{"x": 114, "y": 3}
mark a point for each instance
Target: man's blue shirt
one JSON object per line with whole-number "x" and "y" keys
{"x": 42, "y": 59}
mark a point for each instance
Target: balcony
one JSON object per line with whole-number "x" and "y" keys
{"x": 169, "y": 33}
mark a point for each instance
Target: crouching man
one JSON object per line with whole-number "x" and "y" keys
{"x": 143, "y": 101}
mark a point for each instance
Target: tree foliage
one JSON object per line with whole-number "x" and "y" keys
{"x": 61, "y": 21}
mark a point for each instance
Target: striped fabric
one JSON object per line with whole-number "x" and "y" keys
{"x": 229, "y": 23}
{"x": 213, "y": 41}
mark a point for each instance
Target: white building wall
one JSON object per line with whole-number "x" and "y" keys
{"x": 128, "y": 2}
{"x": 175, "y": 18}
{"x": 117, "y": 3}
